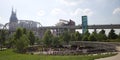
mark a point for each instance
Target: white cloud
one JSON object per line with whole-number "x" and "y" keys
{"x": 57, "y": 11}
{"x": 0, "y": 18}
{"x": 41, "y": 13}
{"x": 3, "y": 20}
{"x": 116, "y": 11}
{"x": 79, "y": 11}
{"x": 87, "y": 12}
{"x": 71, "y": 2}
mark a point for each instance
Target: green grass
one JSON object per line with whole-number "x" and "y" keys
{"x": 10, "y": 55}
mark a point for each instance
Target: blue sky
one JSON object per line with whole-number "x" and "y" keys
{"x": 48, "y": 12}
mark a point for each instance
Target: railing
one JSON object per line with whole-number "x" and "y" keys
{"x": 109, "y": 26}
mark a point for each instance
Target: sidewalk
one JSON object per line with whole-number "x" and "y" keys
{"x": 116, "y": 57}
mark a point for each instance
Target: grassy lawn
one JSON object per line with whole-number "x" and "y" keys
{"x": 9, "y": 55}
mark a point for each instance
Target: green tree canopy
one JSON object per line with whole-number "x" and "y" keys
{"x": 85, "y": 36}
{"x": 24, "y": 31}
{"x": 55, "y": 42}
{"x": 3, "y": 37}
{"x": 78, "y": 36}
{"x": 102, "y": 31}
{"x": 22, "y": 44}
{"x": 92, "y": 37}
{"x": 20, "y": 40}
{"x": 18, "y": 33}
{"x": 47, "y": 38}
{"x": 119, "y": 36}
{"x": 31, "y": 37}
{"x": 87, "y": 33}
{"x": 112, "y": 34}
{"x": 66, "y": 37}
{"x": 101, "y": 35}
{"x": 72, "y": 37}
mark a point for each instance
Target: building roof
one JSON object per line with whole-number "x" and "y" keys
{"x": 13, "y": 17}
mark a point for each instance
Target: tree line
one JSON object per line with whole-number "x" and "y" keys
{"x": 22, "y": 38}
{"x": 67, "y": 36}
{"x": 19, "y": 40}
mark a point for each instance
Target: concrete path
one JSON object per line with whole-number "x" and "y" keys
{"x": 116, "y": 57}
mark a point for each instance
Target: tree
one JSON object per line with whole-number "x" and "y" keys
{"x": 38, "y": 40}
{"x": 102, "y": 31}
{"x": 112, "y": 34}
{"x": 11, "y": 41}
{"x": 25, "y": 31}
{"x": 3, "y": 37}
{"x": 101, "y": 35}
{"x": 77, "y": 36}
{"x": 72, "y": 37}
{"x": 55, "y": 42}
{"x": 18, "y": 33}
{"x": 47, "y": 38}
{"x": 16, "y": 36}
{"x": 31, "y": 37}
{"x": 85, "y": 36}
{"x": 66, "y": 37}
{"x": 87, "y": 33}
{"x": 22, "y": 44}
{"x": 92, "y": 37}
{"x": 20, "y": 40}
{"x": 119, "y": 36}
{"x": 96, "y": 35}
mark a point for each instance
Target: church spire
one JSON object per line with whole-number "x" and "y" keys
{"x": 13, "y": 17}
{"x": 12, "y": 10}
{"x": 15, "y": 11}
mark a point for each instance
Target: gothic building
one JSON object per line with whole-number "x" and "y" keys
{"x": 13, "y": 17}
{"x": 14, "y": 22}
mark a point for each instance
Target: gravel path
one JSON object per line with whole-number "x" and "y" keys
{"x": 116, "y": 57}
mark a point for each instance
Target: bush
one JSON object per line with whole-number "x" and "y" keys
{"x": 22, "y": 44}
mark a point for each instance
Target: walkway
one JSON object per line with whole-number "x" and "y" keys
{"x": 116, "y": 57}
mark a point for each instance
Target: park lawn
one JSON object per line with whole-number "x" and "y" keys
{"x": 10, "y": 55}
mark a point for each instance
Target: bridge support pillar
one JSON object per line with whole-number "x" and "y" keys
{"x": 95, "y": 30}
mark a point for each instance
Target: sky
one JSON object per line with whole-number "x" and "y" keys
{"x": 48, "y": 12}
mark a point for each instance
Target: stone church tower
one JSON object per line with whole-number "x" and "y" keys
{"x": 13, "y": 17}
{"x": 13, "y": 22}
